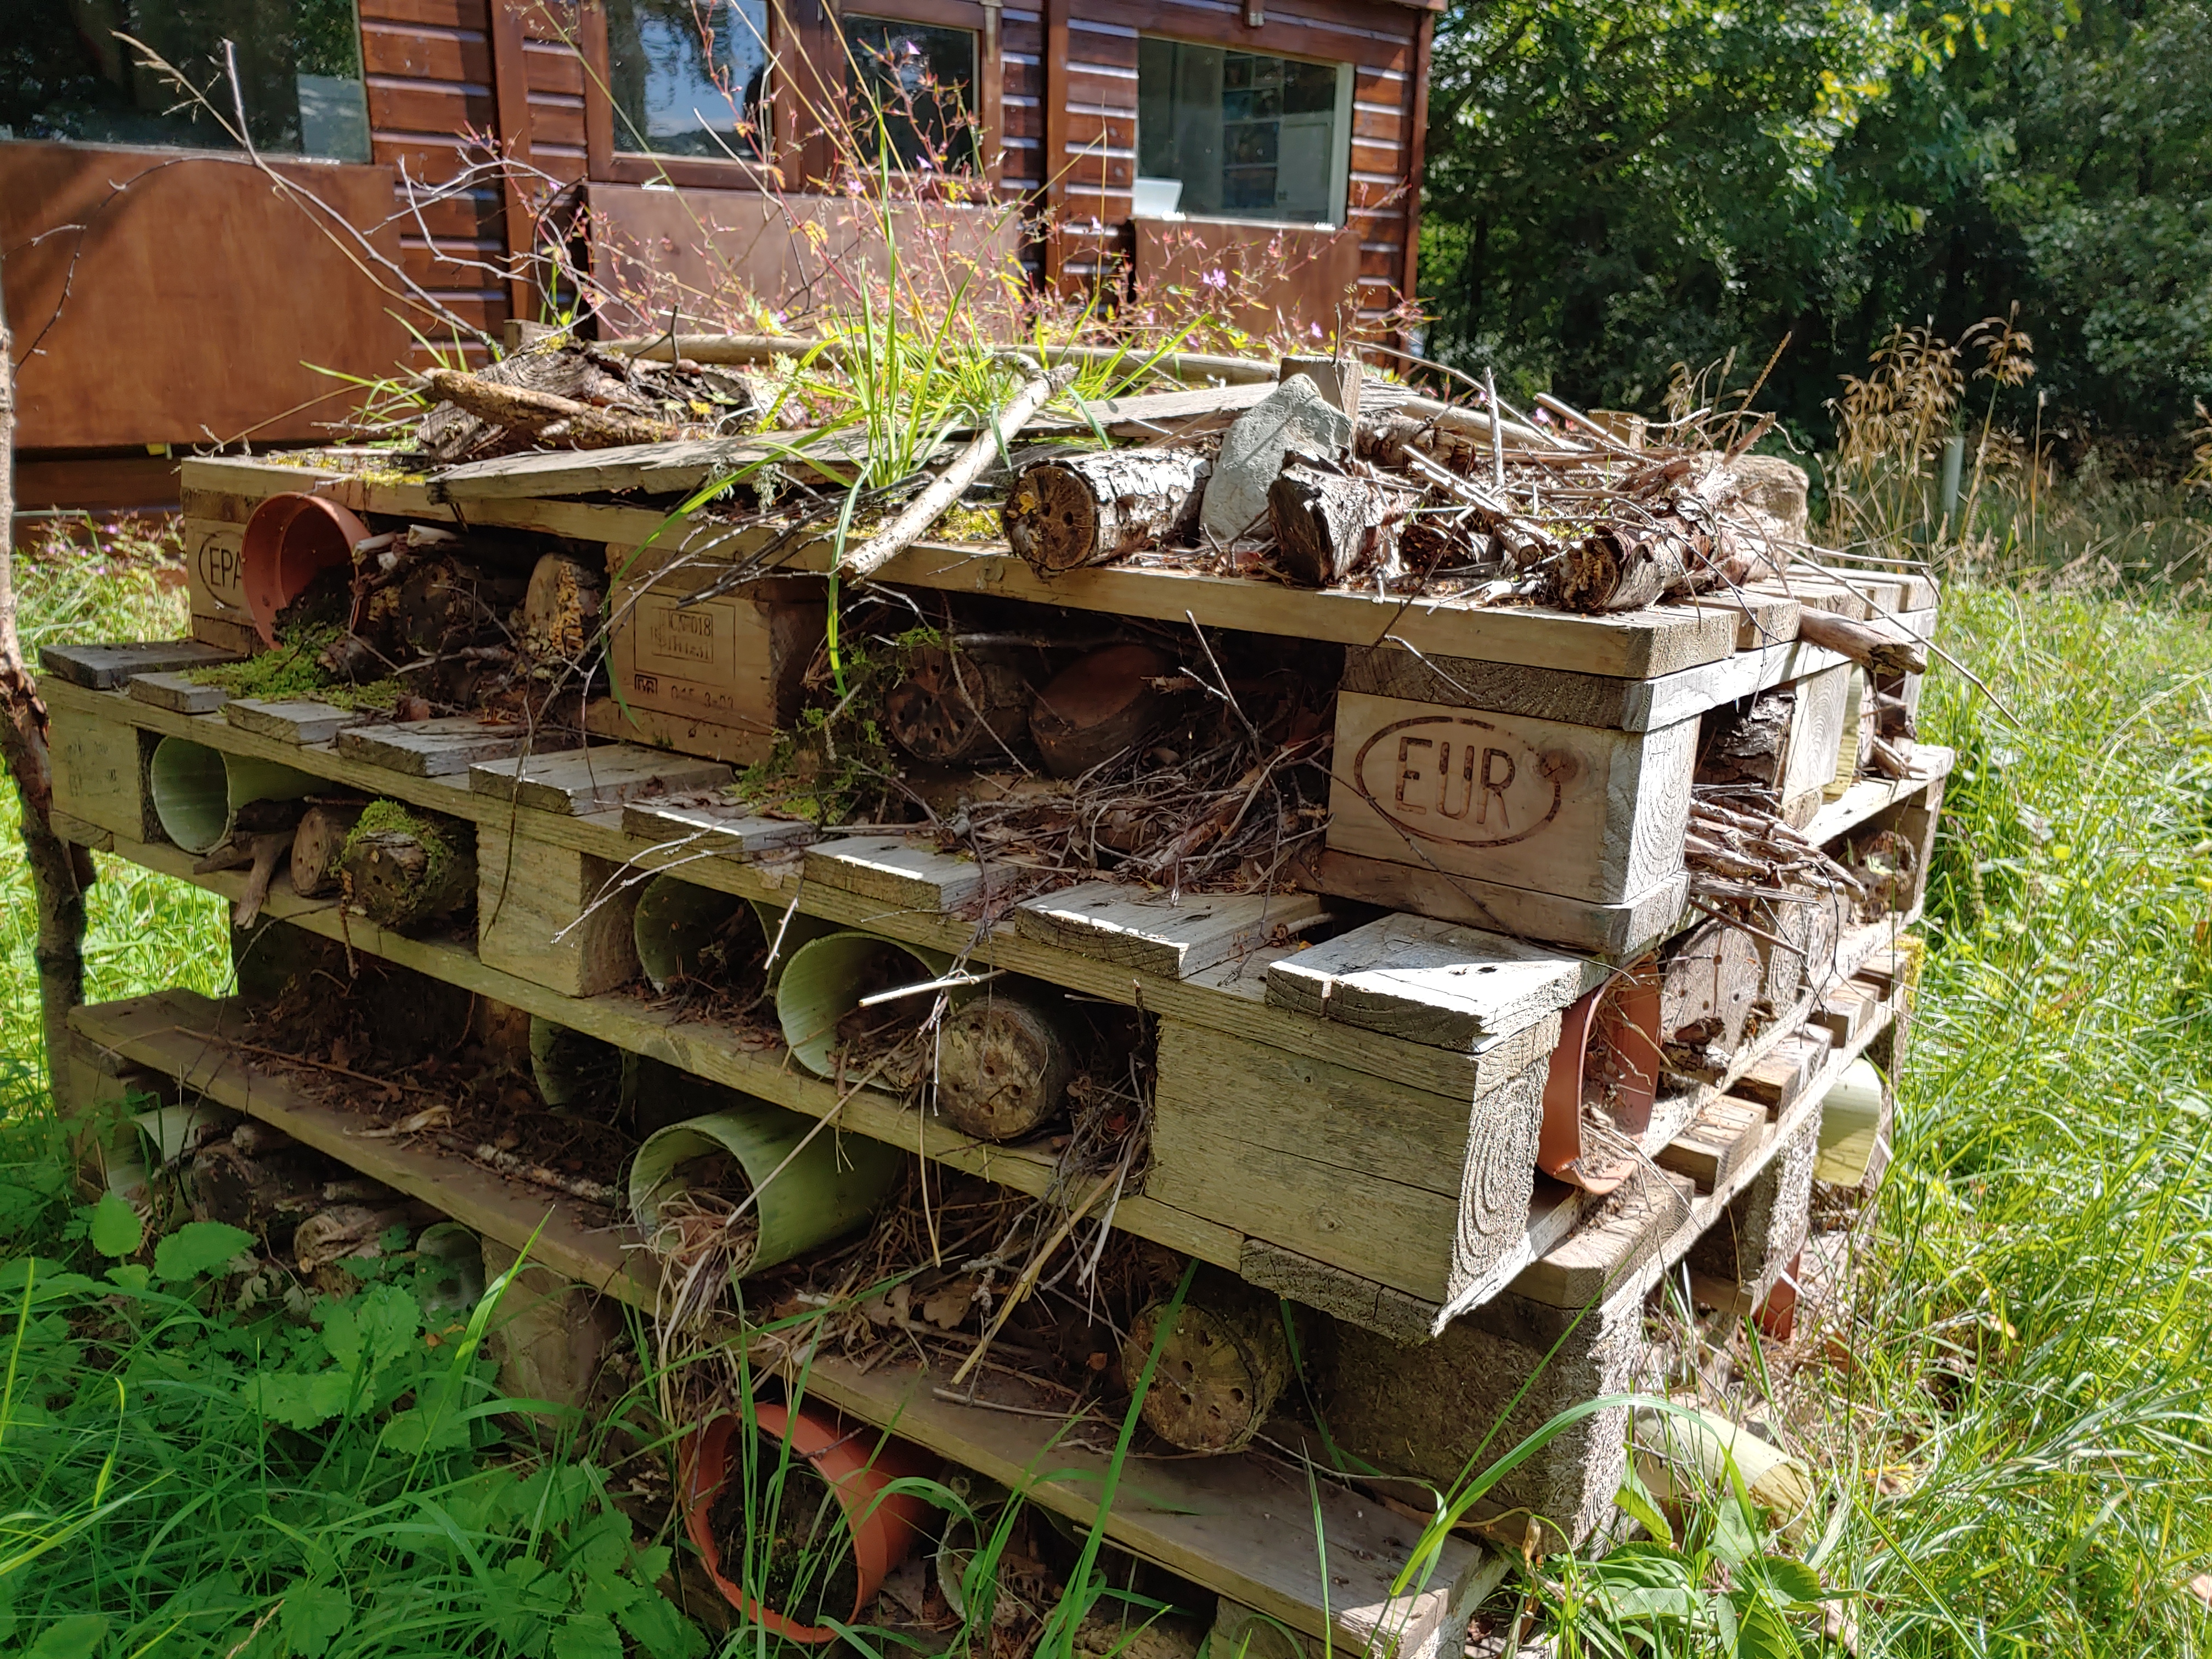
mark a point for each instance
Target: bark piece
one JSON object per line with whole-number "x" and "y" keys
{"x": 1002, "y": 1067}
{"x": 352, "y": 1229}
{"x": 318, "y": 846}
{"x": 1094, "y": 508}
{"x": 1327, "y": 525}
{"x": 1748, "y": 748}
{"x": 548, "y": 416}
{"x": 397, "y": 877}
{"x": 957, "y": 708}
{"x": 1220, "y": 1370}
{"x": 1099, "y": 706}
{"x": 1625, "y": 568}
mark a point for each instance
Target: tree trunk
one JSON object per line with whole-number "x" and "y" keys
{"x": 956, "y": 708}
{"x": 397, "y": 877}
{"x": 61, "y": 872}
{"x": 1221, "y": 1370}
{"x": 561, "y": 609}
{"x": 1097, "y": 507}
{"x": 1100, "y": 706}
{"x": 1002, "y": 1067}
{"x": 1328, "y": 525}
{"x": 317, "y": 847}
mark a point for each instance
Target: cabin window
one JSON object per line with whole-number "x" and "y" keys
{"x": 689, "y": 77}
{"x": 1245, "y": 134}
{"x": 65, "y": 77}
{"x": 913, "y": 83}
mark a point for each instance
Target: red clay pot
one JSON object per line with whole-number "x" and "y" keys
{"x": 884, "y": 1529}
{"x": 289, "y": 541}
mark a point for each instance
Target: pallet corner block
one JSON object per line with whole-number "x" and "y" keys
{"x": 552, "y": 915}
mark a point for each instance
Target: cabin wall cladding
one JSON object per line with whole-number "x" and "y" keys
{"x": 1070, "y": 78}
{"x": 430, "y": 69}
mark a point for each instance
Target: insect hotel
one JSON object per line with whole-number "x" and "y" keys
{"x": 1268, "y": 895}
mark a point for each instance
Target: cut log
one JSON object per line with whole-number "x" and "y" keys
{"x": 561, "y": 609}
{"x": 317, "y": 847}
{"x": 1220, "y": 1370}
{"x": 1883, "y": 648}
{"x": 957, "y": 709}
{"x": 1100, "y": 706}
{"x": 1094, "y": 508}
{"x": 1710, "y": 984}
{"x": 1336, "y": 378}
{"x": 403, "y": 868}
{"x": 1328, "y": 525}
{"x": 1003, "y": 1064}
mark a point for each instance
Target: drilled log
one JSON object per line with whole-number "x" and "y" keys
{"x": 957, "y": 709}
{"x": 1003, "y": 1064}
{"x": 1709, "y": 987}
{"x": 397, "y": 877}
{"x": 1328, "y": 526}
{"x": 1099, "y": 706}
{"x": 317, "y": 847}
{"x": 1096, "y": 508}
{"x": 1220, "y": 1370}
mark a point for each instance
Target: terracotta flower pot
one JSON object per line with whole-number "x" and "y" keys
{"x": 884, "y": 1529}
{"x": 289, "y": 541}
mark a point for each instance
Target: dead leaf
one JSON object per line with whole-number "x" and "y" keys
{"x": 947, "y": 1309}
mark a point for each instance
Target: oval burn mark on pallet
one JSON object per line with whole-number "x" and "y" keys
{"x": 1453, "y": 778}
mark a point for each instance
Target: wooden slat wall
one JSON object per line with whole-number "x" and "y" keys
{"x": 428, "y": 65}
{"x": 1096, "y": 87}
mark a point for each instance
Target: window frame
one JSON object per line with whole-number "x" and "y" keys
{"x": 806, "y": 51}
{"x": 1339, "y": 164}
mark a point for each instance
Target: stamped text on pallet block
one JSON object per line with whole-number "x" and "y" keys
{"x": 1575, "y": 810}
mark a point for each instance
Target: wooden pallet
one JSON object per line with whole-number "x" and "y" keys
{"x": 1459, "y": 1231}
{"x": 221, "y": 492}
{"x": 1243, "y": 1525}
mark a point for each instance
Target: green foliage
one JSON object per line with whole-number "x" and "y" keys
{"x": 216, "y": 1483}
{"x": 1613, "y": 191}
{"x": 291, "y": 669}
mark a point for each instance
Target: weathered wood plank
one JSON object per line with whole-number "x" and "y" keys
{"x": 106, "y": 667}
{"x": 1780, "y": 1079}
{"x": 299, "y": 720}
{"x": 898, "y": 873}
{"x": 1719, "y": 1137}
{"x": 1430, "y": 982}
{"x": 558, "y": 918}
{"x": 1612, "y": 930}
{"x": 1175, "y": 936}
{"x": 446, "y": 747}
{"x": 100, "y": 772}
{"x": 1622, "y": 1230}
{"x": 713, "y": 824}
{"x": 177, "y": 692}
{"x": 583, "y": 780}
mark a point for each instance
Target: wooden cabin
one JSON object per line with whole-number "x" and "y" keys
{"x": 171, "y": 297}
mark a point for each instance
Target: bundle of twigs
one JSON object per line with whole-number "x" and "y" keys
{"x": 1740, "y": 851}
{"x": 575, "y": 395}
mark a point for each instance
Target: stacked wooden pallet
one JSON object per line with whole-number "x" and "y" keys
{"x": 1380, "y": 1116}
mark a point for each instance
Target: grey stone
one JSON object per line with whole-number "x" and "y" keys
{"x": 1292, "y": 419}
